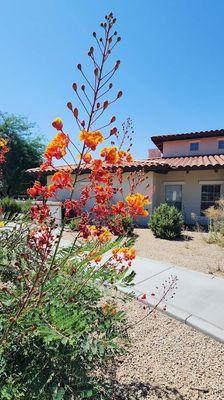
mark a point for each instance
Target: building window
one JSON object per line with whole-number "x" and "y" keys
{"x": 221, "y": 144}
{"x": 173, "y": 195}
{"x": 209, "y": 195}
{"x": 194, "y": 146}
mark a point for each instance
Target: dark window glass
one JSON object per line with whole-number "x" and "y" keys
{"x": 194, "y": 146}
{"x": 221, "y": 144}
{"x": 210, "y": 194}
{"x": 173, "y": 195}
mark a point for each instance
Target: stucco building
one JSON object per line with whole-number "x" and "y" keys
{"x": 185, "y": 170}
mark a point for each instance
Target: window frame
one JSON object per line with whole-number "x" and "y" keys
{"x": 193, "y": 143}
{"x": 209, "y": 202}
{"x": 220, "y": 141}
{"x": 177, "y": 204}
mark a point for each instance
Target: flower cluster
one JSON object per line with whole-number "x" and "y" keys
{"x": 91, "y": 139}
{"x": 3, "y": 149}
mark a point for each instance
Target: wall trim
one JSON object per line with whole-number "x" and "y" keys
{"x": 211, "y": 182}
{"x": 174, "y": 183}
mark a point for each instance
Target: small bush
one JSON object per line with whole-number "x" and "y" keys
{"x": 166, "y": 222}
{"x": 10, "y": 206}
{"x": 25, "y": 205}
{"x": 128, "y": 225}
{"x": 215, "y": 215}
{"x": 73, "y": 224}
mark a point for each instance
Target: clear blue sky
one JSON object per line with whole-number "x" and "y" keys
{"x": 172, "y": 53}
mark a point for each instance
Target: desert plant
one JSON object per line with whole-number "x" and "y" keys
{"x": 58, "y": 329}
{"x": 166, "y": 222}
{"x": 215, "y": 215}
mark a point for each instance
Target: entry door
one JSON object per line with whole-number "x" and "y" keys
{"x": 173, "y": 195}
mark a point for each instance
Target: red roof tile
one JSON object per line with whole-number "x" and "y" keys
{"x": 157, "y": 164}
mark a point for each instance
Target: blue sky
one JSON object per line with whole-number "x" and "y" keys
{"x": 172, "y": 54}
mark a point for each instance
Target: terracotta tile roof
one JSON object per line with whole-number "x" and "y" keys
{"x": 156, "y": 164}
{"x": 159, "y": 140}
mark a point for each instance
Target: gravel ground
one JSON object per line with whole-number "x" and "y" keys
{"x": 168, "y": 360}
{"x": 191, "y": 251}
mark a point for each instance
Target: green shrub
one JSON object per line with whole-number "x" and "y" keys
{"x": 25, "y": 205}
{"x": 73, "y": 224}
{"x": 10, "y": 206}
{"x": 62, "y": 348}
{"x": 128, "y": 225}
{"x": 166, "y": 222}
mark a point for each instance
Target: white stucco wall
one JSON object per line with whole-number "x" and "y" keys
{"x": 145, "y": 187}
{"x": 191, "y": 189}
{"x": 154, "y": 186}
{"x": 182, "y": 147}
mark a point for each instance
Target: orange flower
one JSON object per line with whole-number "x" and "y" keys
{"x": 62, "y": 179}
{"x": 38, "y": 190}
{"x": 91, "y": 139}
{"x": 99, "y": 173}
{"x": 57, "y": 124}
{"x": 118, "y": 208}
{"x": 125, "y": 156}
{"x": 3, "y": 142}
{"x": 102, "y": 233}
{"x": 87, "y": 158}
{"x": 57, "y": 147}
{"x": 110, "y": 154}
{"x": 127, "y": 253}
{"x": 136, "y": 203}
{"x": 98, "y": 259}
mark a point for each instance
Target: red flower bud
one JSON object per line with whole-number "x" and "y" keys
{"x": 76, "y": 112}
{"x": 74, "y": 86}
{"x": 57, "y": 124}
{"x": 119, "y": 94}
{"x": 83, "y": 87}
{"x": 113, "y": 119}
{"x": 117, "y": 65}
{"x": 69, "y": 105}
{"x": 105, "y": 104}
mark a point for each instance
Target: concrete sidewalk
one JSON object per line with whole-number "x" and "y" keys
{"x": 198, "y": 299}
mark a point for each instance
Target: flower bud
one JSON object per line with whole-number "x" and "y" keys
{"x": 76, "y": 112}
{"x": 117, "y": 65}
{"x": 69, "y": 105}
{"x": 113, "y": 119}
{"x": 83, "y": 87}
{"x": 94, "y": 34}
{"x": 119, "y": 94}
{"x": 79, "y": 67}
{"x": 96, "y": 71}
{"x": 57, "y": 124}
{"x": 74, "y": 86}
{"x": 105, "y": 104}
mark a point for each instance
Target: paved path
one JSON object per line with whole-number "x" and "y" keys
{"x": 198, "y": 299}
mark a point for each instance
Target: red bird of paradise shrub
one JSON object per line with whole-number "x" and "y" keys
{"x": 57, "y": 328}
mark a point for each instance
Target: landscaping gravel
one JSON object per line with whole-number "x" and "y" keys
{"x": 168, "y": 360}
{"x": 191, "y": 251}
